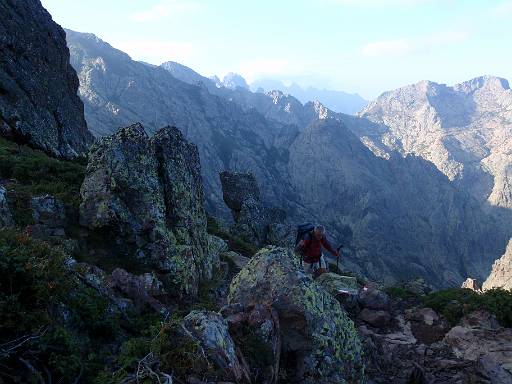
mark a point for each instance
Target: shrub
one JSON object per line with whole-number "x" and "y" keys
{"x": 35, "y": 173}
{"x": 457, "y": 302}
{"x": 401, "y": 292}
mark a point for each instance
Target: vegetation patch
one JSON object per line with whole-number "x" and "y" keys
{"x": 401, "y": 292}
{"x": 454, "y": 303}
{"x": 36, "y": 173}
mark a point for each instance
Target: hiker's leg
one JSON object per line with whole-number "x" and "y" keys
{"x": 309, "y": 268}
{"x": 322, "y": 265}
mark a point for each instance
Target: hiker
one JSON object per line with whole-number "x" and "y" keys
{"x": 310, "y": 247}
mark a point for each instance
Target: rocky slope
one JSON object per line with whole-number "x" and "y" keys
{"x": 38, "y": 87}
{"x": 465, "y": 130}
{"x": 118, "y": 91}
{"x": 306, "y": 160}
{"x": 501, "y": 274}
{"x": 388, "y": 220}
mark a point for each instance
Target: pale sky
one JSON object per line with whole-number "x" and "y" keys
{"x": 363, "y": 46}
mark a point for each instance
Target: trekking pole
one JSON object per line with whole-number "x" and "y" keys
{"x": 338, "y": 258}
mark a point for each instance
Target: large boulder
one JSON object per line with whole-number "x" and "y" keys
{"x": 238, "y": 188}
{"x": 319, "y": 341}
{"x": 38, "y": 87}
{"x": 6, "y": 219}
{"x": 146, "y": 196}
{"x": 210, "y": 330}
{"x": 254, "y": 222}
{"x": 242, "y": 195}
{"x": 256, "y": 331}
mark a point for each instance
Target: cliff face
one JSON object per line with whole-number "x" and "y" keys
{"x": 396, "y": 217}
{"x": 501, "y": 274}
{"x": 39, "y": 104}
{"x": 465, "y": 130}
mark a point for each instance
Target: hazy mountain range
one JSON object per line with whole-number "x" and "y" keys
{"x": 337, "y": 101}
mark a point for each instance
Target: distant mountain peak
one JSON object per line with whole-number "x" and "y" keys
{"x": 234, "y": 80}
{"x": 487, "y": 81}
{"x": 183, "y": 73}
{"x": 336, "y": 101}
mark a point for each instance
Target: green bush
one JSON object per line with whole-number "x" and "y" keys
{"x": 401, "y": 292}
{"x": 457, "y": 302}
{"x": 65, "y": 325}
{"x": 33, "y": 173}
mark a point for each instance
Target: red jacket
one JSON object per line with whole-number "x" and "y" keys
{"x": 311, "y": 248}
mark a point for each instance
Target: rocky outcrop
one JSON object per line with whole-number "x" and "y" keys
{"x": 124, "y": 291}
{"x": 49, "y": 218}
{"x": 38, "y": 87}
{"x": 416, "y": 345}
{"x": 146, "y": 195}
{"x": 472, "y": 284}
{"x": 242, "y": 195}
{"x": 256, "y": 331}
{"x": 501, "y": 274}
{"x": 6, "y": 219}
{"x": 211, "y": 331}
{"x": 319, "y": 342}
{"x": 254, "y": 222}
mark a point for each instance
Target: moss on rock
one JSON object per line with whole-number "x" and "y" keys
{"x": 316, "y": 330}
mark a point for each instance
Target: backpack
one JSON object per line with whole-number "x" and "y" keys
{"x": 302, "y": 231}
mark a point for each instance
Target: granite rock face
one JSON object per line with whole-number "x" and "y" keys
{"x": 147, "y": 195}
{"x": 319, "y": 341}
{"x": 6, "y": 219}
{"x": 465, "y": 130}
{"x": 501, "y": 274}
{"x": 39, "y": 104}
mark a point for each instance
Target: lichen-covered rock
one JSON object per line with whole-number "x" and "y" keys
{"x": 237, "y": 259}
{"x": 211, "y": 331}
{"x": 6, "y": 219}
{"x": 255, "y": 330}
{"x": 237, "y": 188}
{"x": 146, "y": 196}
{"x": 242, "y": 195}
{"x": 334, "y": 283}
{"x": 252, "y": 219}
{"x": 319, "y": 341}
{"x": 49, "y": 217}
{"x": 38, "y": 87}
{"x": 501, "y": 274}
